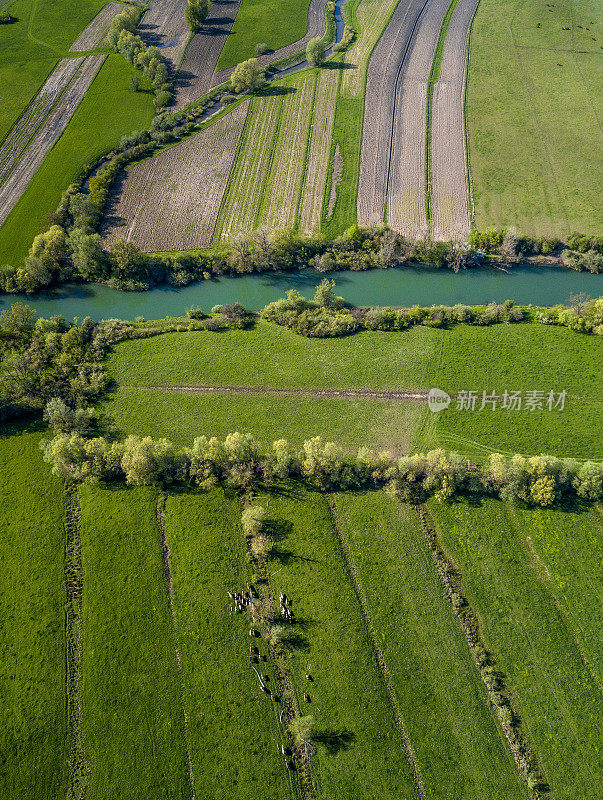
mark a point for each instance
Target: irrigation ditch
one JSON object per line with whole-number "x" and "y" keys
{"x": 79, "y": 767}
{"x": 499, "y": 694}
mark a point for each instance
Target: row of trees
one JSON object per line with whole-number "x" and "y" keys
{"x": 239, "y": 462}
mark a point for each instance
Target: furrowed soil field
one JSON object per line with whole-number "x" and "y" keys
{"x": 448, "y": 165}
{"x": 441, "y": 697}
{"x": 534, "y": 645}
{"x": 131, "y": 694}
{"x": 533, "y": 115}
{"x": 34, "y": 746}
{"x": 233, "y": 729}
{"x": 190, "y": 178}
{"x": 164, "y": 26}
{"x": 107, "y": 112}
{"x": 359, "y": 750}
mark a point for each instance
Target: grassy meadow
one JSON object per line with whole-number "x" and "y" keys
{"x": 108, "y": 111}
{"x": 34, "y": 745}
{"x": 533, "y": 101}
{"x": 30, "y": 48}
{"x": 533, "y": 642}
{"x": 233, "y": 728}
{"x": 269, "y": 22}
{"x": 131, "y": 695}
{"x": 440, "y": 693}
{"x": 359, "y": 752}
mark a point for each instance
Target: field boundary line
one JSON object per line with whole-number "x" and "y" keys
{"x": 383, "y": 669}
{"x": 309, "y": 134}
{"x": 344, "y": 394}
{"x": 466, "y": 124}
{"x": 235, "y": 164}
{"x": 451, "y": 579}
{"x": 79, "y": 766}
{"x": 167, "y": 571}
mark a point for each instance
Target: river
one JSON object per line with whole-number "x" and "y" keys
{"x": 403, "y": 286}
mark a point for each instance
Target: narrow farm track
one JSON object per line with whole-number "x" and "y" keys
{"x": 448, "y": 167}
{"x": 406, "y": 198}
{"x": 190, "y": 178}
{"x": 406, "y": 744}
{"x": 196, "y": 72}
{"x": 382, "y": 78}
{"x": 402, "y": 395}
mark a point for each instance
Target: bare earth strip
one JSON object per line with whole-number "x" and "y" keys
{"x": 320, "y": 143}
{"x": 406, "y": 207}
{"x": 194, "y": 78}
{"x": 172, "y": 201}
{"x": 288, "y": 163}
{"x": 250, "y": 174}
{"x": 381, "y": 81}
{"x": 45, "y": 138}
{"x": 94, "y": 32}
{"x": 328, "y": 394}
{"x": 317, "y": 26}
{"x": 164, "y": 26}
{"x": 449, "y": 198}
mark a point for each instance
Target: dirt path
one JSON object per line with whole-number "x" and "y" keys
{"x": 167, "y": 571}
{"x": 449, "y": 192}
{"x": 328, "y": 394}
{"x": 406, "y": 744}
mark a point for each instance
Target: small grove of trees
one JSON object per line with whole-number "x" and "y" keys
{"x": 196, "y": 13}
{"x": 315, "y": 51}
{"x": 240, "y": 463}
{"x": 248, "y": 76}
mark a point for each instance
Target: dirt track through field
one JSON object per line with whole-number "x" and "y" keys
{"x": 46, "y": 117}
{"x": 382, "y": 75}
{"x": 406, "y": 200}
{"x": 402, "y": 395}
{"x": 449, "y": 193}
{"x": 172, "y": 201}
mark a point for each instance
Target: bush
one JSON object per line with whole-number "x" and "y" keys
{"x": 248, "y": 76}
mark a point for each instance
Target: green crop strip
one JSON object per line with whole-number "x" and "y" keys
{"x": 302, "y": 187}
{"x": 434, "y": 77}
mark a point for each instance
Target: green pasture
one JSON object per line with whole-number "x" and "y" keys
{"x": 532, "y": 641}
{"x": 440, "y": 693}
{"x": 181, "y": 416}
{"x": 233, "y": 728}
{"x": 359, "y": 752}
{"x": 108, "y": 111}
{"x": 34, "y": 745}
{"x": 533, "y": 106}
{"x": 30, "y": 48}
{"x": 131, "y": 695}
{"x": 269, "y": 22}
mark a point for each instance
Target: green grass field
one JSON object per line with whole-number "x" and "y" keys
{"x": 108, "y": 111}
{"x": 30, "y": 48}
{"x": 439, "y": 690}
{"x": 358, "y": 749}
{"x": 233, "y": 728}
{"x": 533, "y": 102}
{"x": 269, "y": 22}
{"x": 131, "y": 696}
{"x": 533, "y": 643}
{"x": 33, "y": 726}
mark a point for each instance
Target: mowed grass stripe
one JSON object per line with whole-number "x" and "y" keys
{"x": 247, "y": 182}
{"x": 181, "y": 416}
{"x": 34, "y": 746}
{"x": 554, "y": 692}
{"x": 287, "y": 170}
{"x": 319, "y": 146}
{"x": 131, "y": 696}
{"x": 359, "y": 752}
{"x": 442, "y": 700}
{"x": 233, "y": 728}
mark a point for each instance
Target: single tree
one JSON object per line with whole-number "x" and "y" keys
{"x": 196, "y": 13}
{"x": 315, "y": 51}
{"x": 248, "y": 75}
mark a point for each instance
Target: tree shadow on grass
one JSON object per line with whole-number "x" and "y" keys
{"x": 334, "y": 741}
